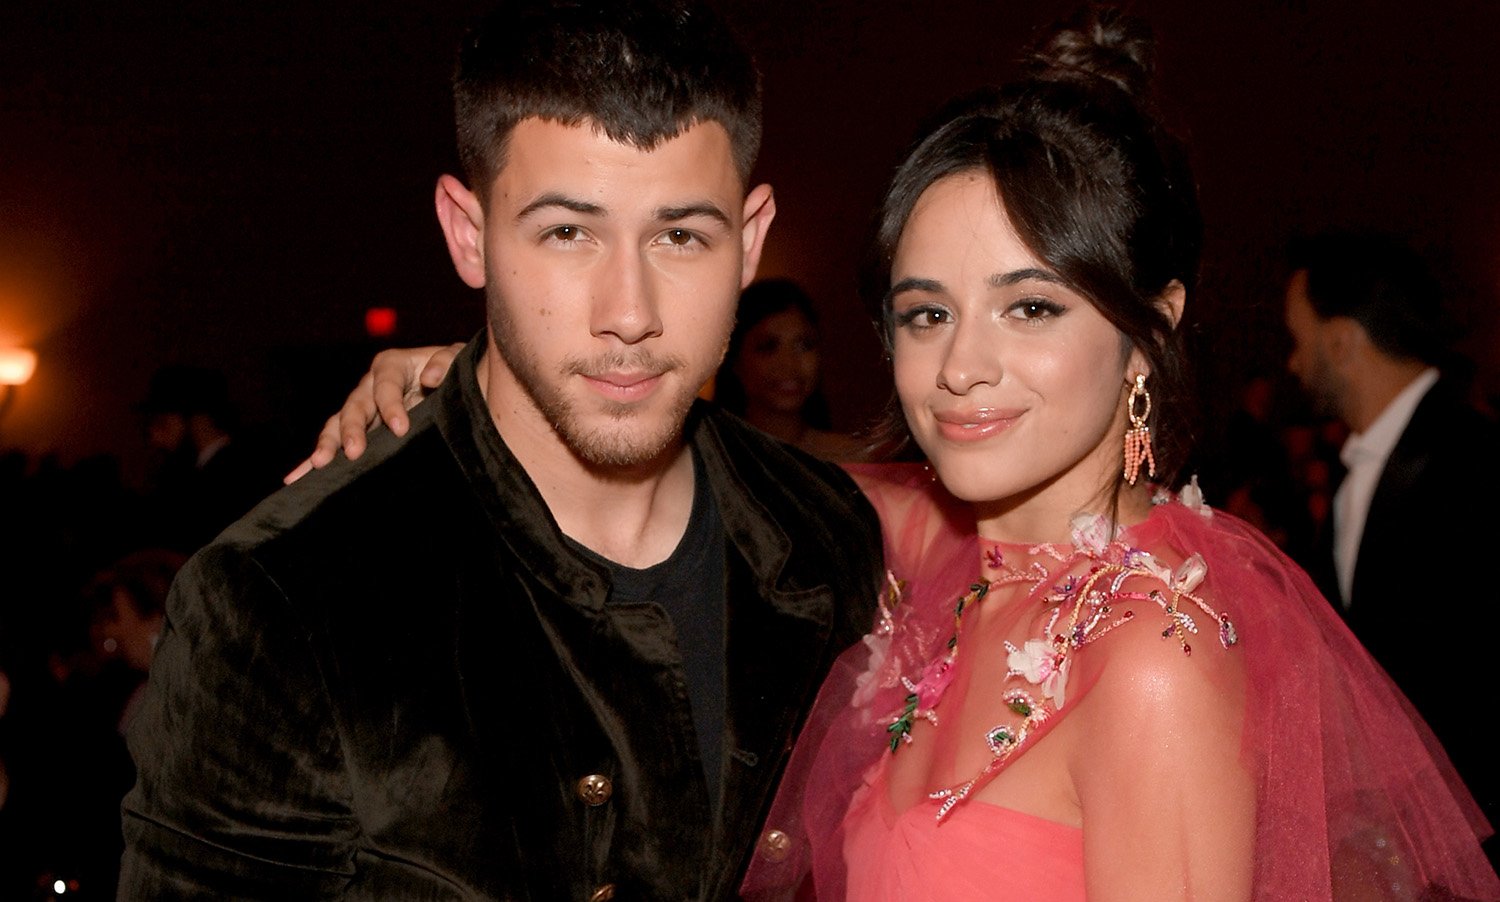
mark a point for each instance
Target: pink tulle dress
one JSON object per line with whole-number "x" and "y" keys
{"x": 909, "y": 856}
{"x": 1330, "y": 785}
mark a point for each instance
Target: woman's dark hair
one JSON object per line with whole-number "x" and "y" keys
{"x": 1095, "y": 187}
{"x": 760, "y": 301}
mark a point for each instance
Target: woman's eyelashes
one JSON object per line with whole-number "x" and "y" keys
{"x": 924, "y": 316}
{"x": 1035, "y": 308}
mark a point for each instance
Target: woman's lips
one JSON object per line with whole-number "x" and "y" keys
{"x": 974, "y": 425}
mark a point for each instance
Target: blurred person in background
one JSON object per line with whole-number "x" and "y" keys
{"x": 127, "y": 604}
{"x": 771, "y": 373}
{"x": 1421, "y": 488}
{"x": 204, "y": 474}
{"x": 62, "y": 748}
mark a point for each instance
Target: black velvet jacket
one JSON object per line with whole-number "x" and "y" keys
{"x": 394, "y": 680}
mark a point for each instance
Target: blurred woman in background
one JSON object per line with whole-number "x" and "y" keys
{"x": 771, "y": 373}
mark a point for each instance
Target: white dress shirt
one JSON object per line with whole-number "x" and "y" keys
{"x": 1365, "y": 454}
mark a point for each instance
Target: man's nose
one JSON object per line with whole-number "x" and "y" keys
{"x": 624, "y": 302}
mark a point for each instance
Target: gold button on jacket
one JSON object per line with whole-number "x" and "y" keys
{"x": 775, "y": 845}
{"x": 595, "y": 789}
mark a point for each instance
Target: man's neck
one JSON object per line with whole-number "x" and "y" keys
{"x": 1378, "y": 384}
{"x": 634, "y": 516}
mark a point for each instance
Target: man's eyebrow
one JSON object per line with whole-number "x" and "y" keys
{"x": 1002, "y": 279}
{"x": 688, "y": 211}
{"x": 556, "y": 199}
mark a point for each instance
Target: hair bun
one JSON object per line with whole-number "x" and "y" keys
{"x": 1101, "y": 42}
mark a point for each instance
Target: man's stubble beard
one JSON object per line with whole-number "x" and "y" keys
{"x": 603, "y": 447}
{"x": 1325, "y": 389}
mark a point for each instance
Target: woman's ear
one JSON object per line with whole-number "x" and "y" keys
{"x": 1172, "y": 300}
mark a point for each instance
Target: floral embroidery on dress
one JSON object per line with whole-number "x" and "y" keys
{"x": 1078, "y": 610}
{"x": 878, "y": 641}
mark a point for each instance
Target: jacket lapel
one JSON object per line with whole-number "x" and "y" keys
{"x": 778, "y": 622}
{"x": 1403, "y": 469}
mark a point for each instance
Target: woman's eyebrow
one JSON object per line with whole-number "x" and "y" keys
{"x": 1002, "y": 279}
{"x": 915, "y": 284}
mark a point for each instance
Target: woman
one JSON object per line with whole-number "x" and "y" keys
{"x": 771, "y": 371}
{"x": 1082, "y": 685}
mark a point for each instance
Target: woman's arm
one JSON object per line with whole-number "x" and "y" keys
{"x": 1168, "y": 805}
{"x": 397, "y": 381}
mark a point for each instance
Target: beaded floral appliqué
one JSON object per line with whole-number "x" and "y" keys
{"x": 1079, "y": 610}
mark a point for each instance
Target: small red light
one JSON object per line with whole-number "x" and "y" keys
{"x": 380, "y": 322}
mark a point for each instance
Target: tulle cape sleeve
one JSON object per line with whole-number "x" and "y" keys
{"x": 1355, "y": 799}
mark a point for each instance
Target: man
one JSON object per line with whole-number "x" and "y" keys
{"x": 581, "y": 677}
{"x": 204, "y": 476}
{"x": 1414, "y": 518}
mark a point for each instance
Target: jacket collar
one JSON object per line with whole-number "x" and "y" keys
{"x": 515, "y": 507}
{"x": 522, "y": 520}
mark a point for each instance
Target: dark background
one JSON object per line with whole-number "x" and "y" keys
{"x": 234, "y": 184}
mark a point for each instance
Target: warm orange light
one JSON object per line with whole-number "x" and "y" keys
{"x": 16, "y": 365}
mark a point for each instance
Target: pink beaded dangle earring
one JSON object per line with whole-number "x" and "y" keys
{"x": 1138, "y": 436}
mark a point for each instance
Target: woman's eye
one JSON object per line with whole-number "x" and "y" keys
{"x": 1035, "y": 309}
{"x": 923, "y": 317}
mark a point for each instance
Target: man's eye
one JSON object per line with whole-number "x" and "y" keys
{"x": 564, "y": 233}
{"x": 679, "y": 237}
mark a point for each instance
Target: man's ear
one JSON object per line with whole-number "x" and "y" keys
{"x": 1172, "y": 301}
{"x": 760, "y": 209}
{"x": 1343, "y": 337}
{"x": 461, "y": 216}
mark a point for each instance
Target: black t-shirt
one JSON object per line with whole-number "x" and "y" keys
{"x": 689, "y": 587}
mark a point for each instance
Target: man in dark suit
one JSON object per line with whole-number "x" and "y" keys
{"x": 1415, "y": 515}
{"x": 581, "y": 677}
{"x": 204, "y": 474}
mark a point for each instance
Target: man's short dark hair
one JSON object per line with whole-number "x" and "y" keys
{"x": 641, "y": 70}
{"x": 1380, "y": 282}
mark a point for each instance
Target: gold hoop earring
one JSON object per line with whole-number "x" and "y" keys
{"x": 1138, "y": 436}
